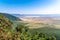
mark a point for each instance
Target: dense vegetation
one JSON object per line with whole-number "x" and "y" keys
{"x": 21, "y": 32}
{"x": 10, "y": 17}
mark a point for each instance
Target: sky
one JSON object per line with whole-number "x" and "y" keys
{"x": 30, "y": 6}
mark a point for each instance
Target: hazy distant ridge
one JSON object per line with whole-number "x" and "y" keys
{"x": 42, "y": 15}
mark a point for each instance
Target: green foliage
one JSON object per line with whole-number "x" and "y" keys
{"x": 26, "y": 35}
{"x": 10, "y": 17}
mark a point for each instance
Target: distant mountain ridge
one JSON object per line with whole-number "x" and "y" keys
{"x": 41, "y": 15}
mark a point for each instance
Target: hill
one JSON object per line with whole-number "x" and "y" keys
{"x": 4, "y": 21}
{"x": 11, "y": 17}
{"x": 5, "y": 26}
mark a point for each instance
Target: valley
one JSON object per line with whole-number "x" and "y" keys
{"x": 37, "y": 22}
{"x": 49, "y": 26}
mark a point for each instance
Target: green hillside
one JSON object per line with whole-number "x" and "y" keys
{"x": 4, "y": 20}
{"x": 5, "y": 27}
{"x": 11, "y": 17}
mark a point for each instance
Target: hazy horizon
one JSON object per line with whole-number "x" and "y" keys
{"x": 37, "y": 15}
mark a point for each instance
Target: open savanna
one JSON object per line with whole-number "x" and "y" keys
{"x": 37, "y": 22}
